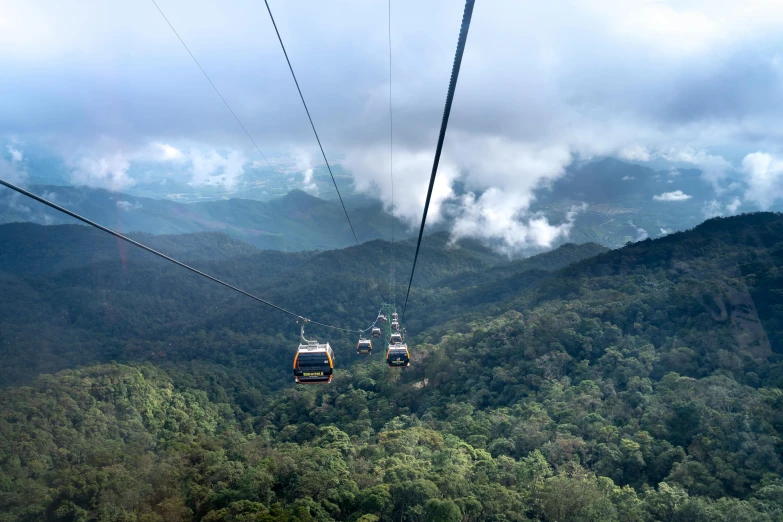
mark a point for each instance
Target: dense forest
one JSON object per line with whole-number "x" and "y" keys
{"x": 644, "y": 383}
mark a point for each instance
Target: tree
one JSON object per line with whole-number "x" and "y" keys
{"x": 576, "y": 497}
{"x": 442, "y": 511}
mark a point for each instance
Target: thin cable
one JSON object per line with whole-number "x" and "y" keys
{"x": 311, "y": 121}
{"x": 392, "y": 291}
{"x": 345, "y": 330}
{"x": 312, "y": 125}
{"x": 221, "y": 97}
{"x": 463, "y": 36}
{"x": 167, "y": 258}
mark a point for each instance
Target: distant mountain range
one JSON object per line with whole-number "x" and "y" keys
{"x": 618, "y": 202}
{"x": 297, "y": 221}
{"x": 630, "y": 202}
{"x": 611, "y": 181}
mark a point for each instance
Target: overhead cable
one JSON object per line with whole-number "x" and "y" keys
{"x": 392, "y": 290}
{"x": 463, "y": 36}
{"x": 290, "y": 67}
{"x": 221, "y": 97}
{"x": 312, "y": 125}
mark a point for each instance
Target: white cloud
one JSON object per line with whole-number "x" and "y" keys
{"x": 656, "y": 23}
{"x": 641, "y": 234}
{"x": 370, "y": 168}
{"x": 715, "y": 208}
{"x": 15, "y": 203}
{"x": 714, "y": 167}
{"x": 16, "y": 154}
{"x": 211, "y": 168}
{"x": 635, "y": 153}
{"x": 304, "y": 164}
{"x": 168, "y": 152}
{"x": 512, "y": 166}
{"x": 498, "y": 174}
{"x": 733, "y": 206}
{"x": 127, "y": 205}
{"x": 688, "y": 27}
{"x": 677, "y": 195}
{"x": 665, "y": 231}
{"x": 764, "y": 176}
{"x": 712, "y": 209}
{"x": 116, "y": 167}
{"x": 627, "y": 178}
{"x": 108, "y": 172}
{"x": 10, "y": 171}
{"x": 493, "y": 216}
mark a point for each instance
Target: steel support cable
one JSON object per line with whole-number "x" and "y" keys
{"x": 372, "y": 325}
{"x": 167, "y": 258}
{"x": 312, "y": 125}
{"x": 277, "y": 174}
{"x": 290, "y": 67}
{"x": 392, "y": 290}
{"x": 463, "y": 36}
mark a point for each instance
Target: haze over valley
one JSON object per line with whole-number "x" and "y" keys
{"x": 606, "y": 201}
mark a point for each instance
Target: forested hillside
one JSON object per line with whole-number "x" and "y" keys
{"x": 36, "y": 250}
{"x": 644, "y": 383}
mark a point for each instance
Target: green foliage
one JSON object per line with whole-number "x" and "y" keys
{"x": 442, "y": 511}
{"x": 640, "y": 384}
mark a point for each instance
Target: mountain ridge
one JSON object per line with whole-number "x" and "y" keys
{"x": 619, "y": 197}
{"x": 297, "y": 221}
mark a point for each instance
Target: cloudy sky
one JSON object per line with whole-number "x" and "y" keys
{"x": 106, "y": 85}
